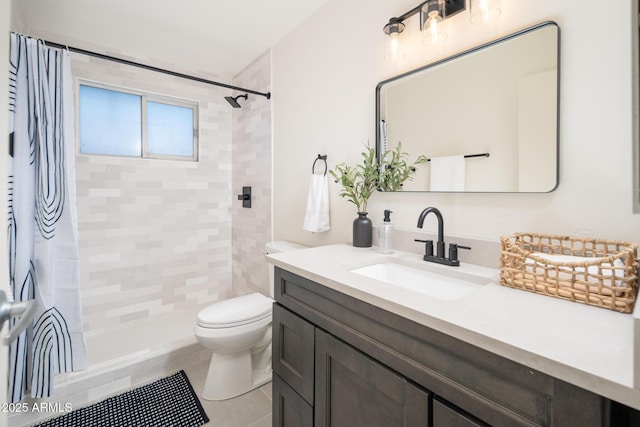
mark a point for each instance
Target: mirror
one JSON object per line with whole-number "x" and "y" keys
{"x": 487, "y": 118}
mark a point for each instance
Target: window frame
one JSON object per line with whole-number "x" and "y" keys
{"x": 144, "y": 98}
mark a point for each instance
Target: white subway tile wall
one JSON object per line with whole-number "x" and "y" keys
{"x": 251, "y": 154}
{"x": 155, "y": 235}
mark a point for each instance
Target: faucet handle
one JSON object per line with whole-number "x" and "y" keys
{"x": 453, "y": 251}
{"x": 428, "y": 246}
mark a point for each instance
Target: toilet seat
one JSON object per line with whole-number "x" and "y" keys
{"x": 236, "y": 311}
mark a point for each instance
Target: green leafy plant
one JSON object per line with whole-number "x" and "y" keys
{"x": 359, "y": 182}
{"x": 394, "y": 169}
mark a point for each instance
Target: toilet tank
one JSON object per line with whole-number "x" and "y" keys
{"x": 277, "y": 247}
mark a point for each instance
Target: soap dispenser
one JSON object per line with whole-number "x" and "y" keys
{"x": 384, "y": 233}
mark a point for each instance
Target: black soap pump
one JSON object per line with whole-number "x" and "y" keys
{"x": 384, "y": 233}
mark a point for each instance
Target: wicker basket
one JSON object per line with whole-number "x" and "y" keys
{"x": 607, "y": 276}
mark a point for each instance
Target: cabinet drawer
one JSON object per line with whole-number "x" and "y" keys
{"x": 293, "y": 348}
{"x": 446, "y": 416}
{"x": 289, "y": 409}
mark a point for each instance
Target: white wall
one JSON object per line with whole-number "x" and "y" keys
{"x": 324, "y": 78}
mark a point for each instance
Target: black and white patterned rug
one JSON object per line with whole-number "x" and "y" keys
{"x": 168, "y": 402}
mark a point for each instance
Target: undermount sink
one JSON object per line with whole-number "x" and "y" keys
{"x": 445, "y": 284}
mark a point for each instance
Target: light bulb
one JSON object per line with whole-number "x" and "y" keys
{"x": 393, "y": 51}
{"x": 484, "y": 11}
{"x": 484, "y": 7}
{"x": 393, "y": 47}
{"x": 434, "y": 29}
{"x": 433, "y": 22}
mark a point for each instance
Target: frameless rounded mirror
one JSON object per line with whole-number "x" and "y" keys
{"x": 487, "y": 118}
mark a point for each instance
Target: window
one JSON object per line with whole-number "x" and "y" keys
{"x": 118, "y": 123}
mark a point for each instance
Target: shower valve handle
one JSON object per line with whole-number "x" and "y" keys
{"x": 245, "y": 197}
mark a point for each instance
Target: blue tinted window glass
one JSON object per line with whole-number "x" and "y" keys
{"x": 110, "y": 122}
{"x": 169, "y": 129}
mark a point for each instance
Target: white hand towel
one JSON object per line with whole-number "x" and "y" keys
{"x": 317, "y": 216}
{"x": 447, "y": 173}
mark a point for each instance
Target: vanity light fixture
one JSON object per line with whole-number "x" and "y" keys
{"x": 433, "y": 14}
{"x": 484, "y": 11}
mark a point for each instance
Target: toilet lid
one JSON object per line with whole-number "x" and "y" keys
{"x": 236, "y": 311}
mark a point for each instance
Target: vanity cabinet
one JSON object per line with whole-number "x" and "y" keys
{"x": 289, "y": 408}
{"x": 444, "y": 415}
{"x": 339, "y": 361}
{"x": 352, "y": 389}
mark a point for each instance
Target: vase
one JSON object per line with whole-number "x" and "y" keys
{"x": 362, "y": 231}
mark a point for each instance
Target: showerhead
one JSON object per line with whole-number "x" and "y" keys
{"x": 234, "y": 101}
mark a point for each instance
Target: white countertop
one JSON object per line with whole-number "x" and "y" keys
{"x": 587, "y": 346}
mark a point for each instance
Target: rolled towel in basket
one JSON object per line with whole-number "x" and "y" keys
{"x": 617, "y": 270}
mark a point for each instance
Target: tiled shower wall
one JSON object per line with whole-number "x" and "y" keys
{"x": 155, "y": 235}
{"x": 251, "y": 228}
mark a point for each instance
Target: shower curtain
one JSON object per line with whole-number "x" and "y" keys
{"x": 42, "y": 229}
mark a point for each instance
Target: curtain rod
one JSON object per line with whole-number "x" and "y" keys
{"x": 152, "y": 68}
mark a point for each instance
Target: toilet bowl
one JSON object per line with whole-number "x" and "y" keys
{"x": 238, "y": 332}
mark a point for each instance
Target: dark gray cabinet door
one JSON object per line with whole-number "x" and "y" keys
{"x": 293, "y": 347}
{"x": 352, "y": 390}
{"x": 446, "y": 416}
{"x": 289, "y": 409}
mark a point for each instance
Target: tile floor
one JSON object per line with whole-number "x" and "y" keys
{"x": 249, "y": 410}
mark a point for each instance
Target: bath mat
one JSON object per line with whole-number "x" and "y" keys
{"x": 170, "y": 401}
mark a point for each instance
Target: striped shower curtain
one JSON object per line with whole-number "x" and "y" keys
{"x": 42, "y": 229}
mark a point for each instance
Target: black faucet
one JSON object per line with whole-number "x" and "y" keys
{"x": 440, "y": 245}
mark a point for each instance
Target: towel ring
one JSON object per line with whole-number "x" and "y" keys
{"x": 324, "y": 159}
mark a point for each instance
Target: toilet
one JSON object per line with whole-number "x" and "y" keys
{"x": 238, "y": 332}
